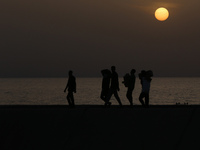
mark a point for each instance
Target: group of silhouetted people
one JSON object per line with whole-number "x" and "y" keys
{"x": 110, "y": 86}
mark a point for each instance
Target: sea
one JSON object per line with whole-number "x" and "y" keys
{"x": 50, "y": 91}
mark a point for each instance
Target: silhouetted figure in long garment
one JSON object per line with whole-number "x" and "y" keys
{"x": 114, "y": 87}
{"x": 131, "y": 86}
{"x": 71, "y": 86}
{"x": 145, "y": 77}
{"x": 105, "y": 84}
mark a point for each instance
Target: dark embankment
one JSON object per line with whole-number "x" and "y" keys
{"x": 97, "y": 128}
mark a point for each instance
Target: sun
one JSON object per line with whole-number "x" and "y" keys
{"x": 161, "y": 14}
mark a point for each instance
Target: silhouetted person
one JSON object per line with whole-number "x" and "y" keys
{"x": 71, "y": 86}
{"x": 129, "y": 81}
{"x": 114, "y": 87}
{"x": 105, "y": 84}
{"x": 145, "y": 77}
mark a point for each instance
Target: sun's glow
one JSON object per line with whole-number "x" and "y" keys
{"x": 161, "y": 14}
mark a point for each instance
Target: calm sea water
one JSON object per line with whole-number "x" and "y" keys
{"x": 49, "y": 91}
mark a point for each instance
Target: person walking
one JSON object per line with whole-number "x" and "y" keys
{"x": 129, "y": 82}
{"x": 114, "y": 87}
{"x": 71, "y": 86}
{"x": 105, "y": 84}
{"x": 145, "y": 77}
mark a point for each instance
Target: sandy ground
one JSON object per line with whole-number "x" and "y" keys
{"x": 96, "y": 128}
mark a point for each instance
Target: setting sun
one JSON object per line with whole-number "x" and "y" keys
{"x": 161, "y": 14}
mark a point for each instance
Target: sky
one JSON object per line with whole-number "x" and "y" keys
{"x": 47, "y": 38}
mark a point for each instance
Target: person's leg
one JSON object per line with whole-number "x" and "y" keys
{"x": 147, "y": 99}
{"x": 142, "y": 95}
{"x": 72, "y": 98}
{"x": 68, "y": 99}
{"x": 103, "y": 95}
{"x": 108, "y": 96}
{"x": 129, "y": 96}
{"x": 117, "y": 97}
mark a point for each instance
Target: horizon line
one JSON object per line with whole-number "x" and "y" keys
{"x": 95, "y": 77}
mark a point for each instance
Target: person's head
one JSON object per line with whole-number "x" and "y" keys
{"x": 142, "y": 74}
{"x": 143, "y": 71}
{"x": 113, "y": 68}
{"x": 133, "y": 71}
{"x": 105, "y": 73}
{"x": 70, "y": 72}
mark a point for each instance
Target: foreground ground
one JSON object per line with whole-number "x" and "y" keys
{"x": 97, "y": 128}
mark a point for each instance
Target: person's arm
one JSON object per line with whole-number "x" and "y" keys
{"x": 117, "y": 83}
{"x": 74, "y": 85}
